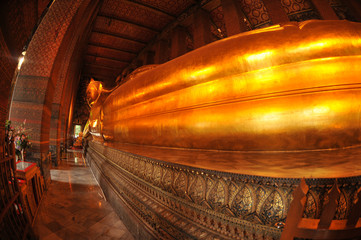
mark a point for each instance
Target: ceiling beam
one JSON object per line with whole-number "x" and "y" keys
{"x": 88, "y": 73}
{"x": 150, "y": 8}
{"x": 99, "y": 75}
{"x": 129, "y": 22}
{"x": 185, "y": 14}
{"x": 103, "y": 66}
{"x": 118, "y": 36}
{"x": 108, "y": 58}
{"x": 111, "y": 48}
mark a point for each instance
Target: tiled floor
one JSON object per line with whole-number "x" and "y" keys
{"x": 74, "y": 206}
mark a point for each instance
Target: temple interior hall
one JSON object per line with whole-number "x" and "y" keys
{"x": 180, "y": 119}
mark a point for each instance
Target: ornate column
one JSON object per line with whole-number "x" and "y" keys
{"x": 67, "y": 73}
{"x": 38, "y": 78}
{"x": 276, "y": 11}
{"x": 149, "y": 57}
{"x": 161, "y": 48}
{"x": 233, "y": 17}
{"x": 7, "y": 67}
{"x": 179, "y": 46}
{"x": 54, "y": 122}
{"x": 325, "y": 10}
{"x": 202, "y": 33}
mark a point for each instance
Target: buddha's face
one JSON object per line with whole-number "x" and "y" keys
{"x": 93, "y": 91}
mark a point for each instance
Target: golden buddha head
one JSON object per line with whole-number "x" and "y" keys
{"x": 93, "y": 91}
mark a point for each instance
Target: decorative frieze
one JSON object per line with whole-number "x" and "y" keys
{"x": 182, "y": 202}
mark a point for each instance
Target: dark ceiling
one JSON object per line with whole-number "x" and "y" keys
{"x": 122, "y": 29}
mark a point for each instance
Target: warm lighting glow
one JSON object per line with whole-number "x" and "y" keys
{"x": 258, "y": 56}
{"x": 95, "y": 123}
{"x": 21, "y": 59}
{"x": 315, "y": 46}
{"x": 321, "y": 109}
{"x": 276, "y": 89}
{"x": 271, "y": 117}
{"x": 202, "y": 73}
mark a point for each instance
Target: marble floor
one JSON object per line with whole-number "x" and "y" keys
{"x": 74, "y": 206}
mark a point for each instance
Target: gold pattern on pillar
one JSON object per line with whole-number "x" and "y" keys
{"x": 256, "y": 13}
{"x": 218, "y": 26}
{"x": 300, "y": 10}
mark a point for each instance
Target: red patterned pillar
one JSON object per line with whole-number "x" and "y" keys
{"x": 149, "y": 57}
{"x": 202, "y": 32}
{"x": 233, "y": 17}
{"x": 276, "y": 11}
{"x": 53, "y": 146}
{"x": 44, "y": 62}
{"x": 179, "y": 46}
{"x": 7, "y": 68}
{"x": 325, "y": 10}
{"x": 161, "y": 49}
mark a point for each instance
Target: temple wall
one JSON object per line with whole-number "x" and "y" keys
{"x": 49, "y": 76}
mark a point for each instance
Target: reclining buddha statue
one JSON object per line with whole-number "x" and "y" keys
{"x": 290, "y": 87}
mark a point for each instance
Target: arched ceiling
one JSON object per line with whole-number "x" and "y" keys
{"x": 123, "y": 28}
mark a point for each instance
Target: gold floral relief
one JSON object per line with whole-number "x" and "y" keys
{"x": 180, "y": 183}
{"x": 157, "y": 174}
{"x": 272, "y": 209}
{"x": 260, "y": 198}
{"x": 233, "y": 190}
{"x": 197, "y": 189}
{"x": 209, "y": 186}
{"x": 217, "y": 194}
{"x": 142, "y": 167}
{"x": 135, "y": 166}
{"x": 167, "y": 178}
{"x": 148, "y": 170}
{"x": 242, "y": 204}
{"x": 341, "y": 212}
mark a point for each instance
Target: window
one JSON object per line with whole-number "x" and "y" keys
{"x": 77, "y": 130}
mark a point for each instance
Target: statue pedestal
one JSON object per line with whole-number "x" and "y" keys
{"x": 222, "y": 194}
